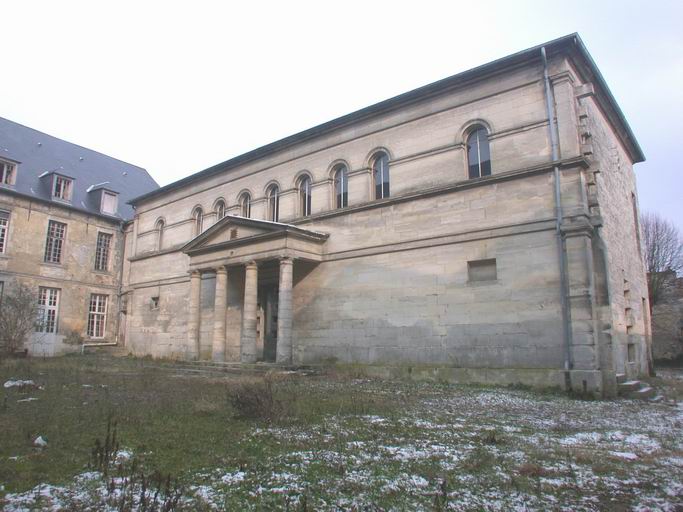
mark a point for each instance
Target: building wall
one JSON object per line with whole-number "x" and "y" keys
{"x": 612, "y": 190}
{"x": 667, "y": 321}
{"x": 75, "y": 277}
{"x": 393, "y": 284}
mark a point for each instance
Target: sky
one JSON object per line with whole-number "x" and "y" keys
{"x": 176, "y": 87}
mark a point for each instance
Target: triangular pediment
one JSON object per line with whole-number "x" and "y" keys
{"x": 233, "y": 229}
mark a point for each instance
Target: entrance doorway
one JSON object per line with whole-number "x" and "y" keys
{"x": 269, "y": 302}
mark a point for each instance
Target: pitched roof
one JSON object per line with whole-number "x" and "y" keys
{"x": 570, "y": 44}
{"x": 38, "y": 153}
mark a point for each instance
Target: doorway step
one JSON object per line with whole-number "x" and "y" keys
{"x": 636, "y": 389}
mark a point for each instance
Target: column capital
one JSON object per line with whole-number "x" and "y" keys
{"x": 195, "y": 273}
{"x": 251, "y": 263}
{"x": 287, "y": 261}
{"x": 221, "y": 269}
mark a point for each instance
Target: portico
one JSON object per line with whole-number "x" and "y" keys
{"x": 236, "y": 248}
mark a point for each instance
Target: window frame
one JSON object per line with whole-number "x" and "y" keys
{"x": 65, "y": 190}
{"x": 340, "y": 186}
{"x": 4, "y": 230}
{"x": 220, "y": 209}
{"x": 382, "y": 191}
{"x": 44, "y": 324}
{"x": 198, "y": 220}
{"x": 97, "y": 320}
{"x": 116, "y": 202}
{"x": 159, "y": 226}
{"x": 8, "y": 172}
{"x": 273, "y": 202}
{"x": 54, "y": 242}
{"x": 103, "y": 251}
{"x": 244, "y": 202}
{"x": 482, "y": 168}
{"x": 305, "y": 192}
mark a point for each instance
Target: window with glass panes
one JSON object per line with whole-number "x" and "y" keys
{"x": 4, "y": 227}
{"x": 102, "y": 251}
{"x": 380, "y": 171}
{"x": 48, "y": 310}
{"x": 341, "y": 187}
{"x": 62, "y": 188}
{"x": 7, "y": 172}
{"x": 97, "y": 315}
{"x": 478, "y": 153}
{"x": 56, "y": 233}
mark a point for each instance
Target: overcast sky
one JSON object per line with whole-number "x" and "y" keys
{"x": 176, "y": 87}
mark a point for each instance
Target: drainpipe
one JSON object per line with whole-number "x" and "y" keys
{"x": 561, "y": 244}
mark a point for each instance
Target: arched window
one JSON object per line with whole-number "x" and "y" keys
{"x": 273, "y": 196}
{"x": 198, "y": 219}
{"x": 380, "y": 174}
{"x": 159, "y": 227}
{"x": 219, "y": 208}
{"x": 478, "y": 153}
{"x": 341, "y": 186}
{"x": 305, "y": 196}
{"x": 245, "y": 205}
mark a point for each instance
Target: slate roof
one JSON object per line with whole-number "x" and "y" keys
{"x": 38, "y": 153}
{"x": 569, "y": 44}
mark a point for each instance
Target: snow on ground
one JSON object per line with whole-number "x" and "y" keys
{"x": 456, "y": 448}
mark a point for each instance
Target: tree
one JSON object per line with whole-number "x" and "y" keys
{"x": 18, "y": 315}
{"x": 663, "y": 251}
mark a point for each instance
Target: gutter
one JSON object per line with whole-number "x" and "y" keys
{"x": 561, "y": 243}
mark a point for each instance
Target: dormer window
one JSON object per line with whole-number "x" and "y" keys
{"x": 62, "y": 188}
{"x": 7, "y": 172}
{"x": 110, "y": 203}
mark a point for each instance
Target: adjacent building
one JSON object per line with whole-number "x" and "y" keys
{"x": 62, "y": 212}
{"x": 484, "y": 226}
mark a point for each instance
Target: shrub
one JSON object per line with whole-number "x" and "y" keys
{"x": 18, "y": 316}
{"x": 258, "y": 399}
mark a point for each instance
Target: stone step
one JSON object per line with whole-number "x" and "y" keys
{"x": 621, "y": 378}
{"x": 628, "y": 386}
{"x": 644, "y": 393}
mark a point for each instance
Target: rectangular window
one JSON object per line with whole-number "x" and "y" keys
{"x": 97, "y": 315}
{"x": 4, "y": 227}
{"x": 482, "y": 270}
{"x": 109, "y": 203}
{"x": 62, "y": 188}
{"x": 7, "y": 173}
{"x": 48, "y": 310}
{"x": 102, "y": 251}
{"x": 56, "y": 233}
{"x": 631, "y": 352}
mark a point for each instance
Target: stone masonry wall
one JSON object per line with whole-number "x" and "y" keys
{"x": 75, "y": 276}
{"x": 667, "y": 321}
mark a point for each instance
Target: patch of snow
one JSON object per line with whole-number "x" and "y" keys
{"x": 625, "y": 455}
{"x": 40, "y": 442}
{"x": 30, "y": 399}
{"x": 19, "y": 384}
{"x": 233, "y": 478}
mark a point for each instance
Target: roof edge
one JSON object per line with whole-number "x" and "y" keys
{"x": 401, "y": 100}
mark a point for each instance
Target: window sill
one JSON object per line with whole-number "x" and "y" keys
{"x": 51, "y": 264}
{"x": 102, "y": 272}
{"x": 482, "y": 283}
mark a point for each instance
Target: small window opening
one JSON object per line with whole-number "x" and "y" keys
{"x": 482, "y": 270}
{"x": 631, "y": 350}
{"x": 155, "y": 302}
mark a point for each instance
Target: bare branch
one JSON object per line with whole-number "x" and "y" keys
{"x": 662, "y": 251}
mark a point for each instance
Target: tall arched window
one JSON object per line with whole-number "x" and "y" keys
{"x": 380, "y": 174}
{"x": 219, "y": 209}
{"x": 245, "y": 205}
{"x": 273, "y": 196}
{"x": 159, "y": 227}
{"x": 478, "y": 153}
{"x": 341, "y": 186}
{"x": 305, "y": 195}
{"x": 198, "y": 219}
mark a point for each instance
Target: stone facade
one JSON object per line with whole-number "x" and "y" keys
{"x": 77, "y": 287}
{"x": 667, "y": 321}
{"x": 441, "y": 270}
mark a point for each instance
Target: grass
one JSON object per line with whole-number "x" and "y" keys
{"x": 335, "y": 442}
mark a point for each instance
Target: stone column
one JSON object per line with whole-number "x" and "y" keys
{"x": 219, "y": 311}
{"x": 248, "y": 336}
{"x": 284, "y": 313}
{"x": 193, "y": 314}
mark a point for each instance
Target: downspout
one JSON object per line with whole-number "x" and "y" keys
{"x": 561, "y": 244}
